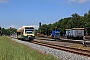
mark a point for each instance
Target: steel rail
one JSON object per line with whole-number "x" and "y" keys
{"x": 63, "y": 48}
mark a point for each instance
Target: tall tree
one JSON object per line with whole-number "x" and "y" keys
{"x": 75, "y": 18}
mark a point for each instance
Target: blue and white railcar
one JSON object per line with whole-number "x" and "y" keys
{"x": 56, "y": 34}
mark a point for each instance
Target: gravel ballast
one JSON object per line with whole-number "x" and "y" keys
{"x": 57, "y": 53}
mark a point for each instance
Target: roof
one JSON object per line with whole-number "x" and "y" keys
{"x": 27, "y": 26}
{"x": 20, "y": 29}
{"x": 68, "y": 29}
{"x": 77, "y": 28}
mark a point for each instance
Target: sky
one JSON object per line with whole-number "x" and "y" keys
{"x": 17, "y": 13}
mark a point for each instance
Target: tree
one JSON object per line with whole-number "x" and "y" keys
{"x": 75, "y": 19}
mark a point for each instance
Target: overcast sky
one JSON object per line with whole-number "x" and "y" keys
{"x": 17, "y": 13}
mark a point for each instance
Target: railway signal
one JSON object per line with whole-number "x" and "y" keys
{"x": 0, "y": 28}
{"x": 10, "y": 31}
{"x": 39, "y": 24}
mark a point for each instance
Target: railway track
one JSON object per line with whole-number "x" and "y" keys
{"x": 87, "y": 42}
{"x": 63, "y": 48}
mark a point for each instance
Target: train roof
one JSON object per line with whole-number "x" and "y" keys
{"x": 77, "y": 28}
{"x": 18, "y": 30}
{"x": 27, "y": 26}
{"x": 68, "y": 29}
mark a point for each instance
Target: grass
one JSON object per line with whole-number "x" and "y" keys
{"x": 11, "y": 50}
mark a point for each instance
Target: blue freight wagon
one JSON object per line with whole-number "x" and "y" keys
{"x": 55, "y": 34}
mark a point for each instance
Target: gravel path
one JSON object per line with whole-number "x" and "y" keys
{"x": 57, "y": 53}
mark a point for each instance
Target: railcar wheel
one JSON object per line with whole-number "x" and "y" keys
{"x": 30, "y": 39}
{"x": 81, "y": 38}
{"x": 68, "y": 37}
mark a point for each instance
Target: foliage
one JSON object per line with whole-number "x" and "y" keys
{"x": 75, "y": 21}
{"x": 36, "y": 31}
{"x": 8, "y": 31}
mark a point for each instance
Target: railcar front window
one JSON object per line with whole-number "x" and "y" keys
{"x": 29, "y": 31}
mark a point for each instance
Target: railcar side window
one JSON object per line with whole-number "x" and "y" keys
{"x": 18, "y": 33}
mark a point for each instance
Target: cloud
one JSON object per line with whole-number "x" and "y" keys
{"x": 35, "y": 26}
{"x": 71, "y": 0}
{"x": 13, "y": 26}
{"x": 82, "y": 1}
{"x": 78, "y": 1}
{"x": 3, "y": 1}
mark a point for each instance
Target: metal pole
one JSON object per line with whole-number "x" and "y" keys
{"x": 0, "y": 30}
{"x": 10, "y": 31}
